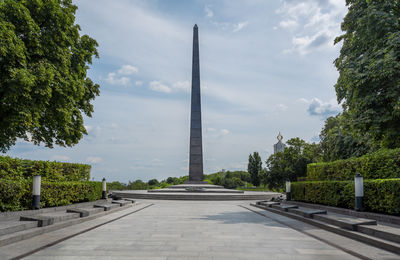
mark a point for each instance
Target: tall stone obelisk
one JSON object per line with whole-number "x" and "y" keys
{"x": 196, "y": 146}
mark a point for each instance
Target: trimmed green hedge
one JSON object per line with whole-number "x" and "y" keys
{"x": 14, "y": 168}
{"x": 381, "y": 195}
{"x": 380, "y": 165}
{"x": 17, "y": 194}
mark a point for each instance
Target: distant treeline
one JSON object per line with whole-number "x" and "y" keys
{"x": 228, "y": 179}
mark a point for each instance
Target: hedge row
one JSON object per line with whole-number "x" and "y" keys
{"x": 17, "y": 194}
{"x": 381, "y": 195}
{"x": 380, "y": 165}
{"x": 14, "y": 168}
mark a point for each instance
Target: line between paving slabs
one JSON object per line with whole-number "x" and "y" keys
{"x": 76, "y": 234}
{"x": 311, "y": 235}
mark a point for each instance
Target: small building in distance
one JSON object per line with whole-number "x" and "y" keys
{"x": 279, "y": 146}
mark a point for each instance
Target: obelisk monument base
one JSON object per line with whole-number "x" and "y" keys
{"x": 195, "y": 182}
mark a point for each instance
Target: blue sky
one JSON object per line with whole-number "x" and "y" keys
{"x": 266, "y": 66}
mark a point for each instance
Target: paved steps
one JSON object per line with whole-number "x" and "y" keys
{"x": 27, "y": 226}
{"x": 121, "y": 202}
{"x": 384, "y": 231}
{"x": 283, "y": 207}
{"x": 12, "y": 226}
{"x": 84, "y": 212}
{"x": 308, "y": 213}
{"x": 268, "y": 203}
{"x": 106, "y": 207}
{"x": 347, "y": 222}
{"x": 143, "y": 194}
{"x": 382, "y": 235}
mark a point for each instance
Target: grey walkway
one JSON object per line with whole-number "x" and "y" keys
{"x": 192, "y": 230}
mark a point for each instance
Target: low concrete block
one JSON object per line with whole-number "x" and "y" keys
{"x": 121, "y": 202}
{"x": 128, "y": 199}
{"x": 284, "y": 207}
{"x": 390, "y": 233}
{"x": 13, "y": 226}
{"x": 350, "y": 223}
{"x": 82, "y": 212}
{"x": 268, "y": 203}
{"x": 308, "y": 213}
{"x": 106, "y": 207}
{"x": 42, "y": 220}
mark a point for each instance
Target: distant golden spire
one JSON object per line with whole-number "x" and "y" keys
{"x": 279, "y": 137}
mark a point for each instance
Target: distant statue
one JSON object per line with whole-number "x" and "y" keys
{"x": 279, "y": 146}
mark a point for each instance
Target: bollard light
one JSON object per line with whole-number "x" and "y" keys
{"x": 287, "y": 189}
{"x": 104, "y": 195}
{"x": 36, "y": 192}
{"x": 359, "y": 191}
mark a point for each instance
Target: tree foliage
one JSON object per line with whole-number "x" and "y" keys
{"x": 340, "y": 141}
{"x": 44, "y": 88}
{"x": 369, "y": 67}
{"x": 254, "y": 167}
{"x": 291, "y": 163}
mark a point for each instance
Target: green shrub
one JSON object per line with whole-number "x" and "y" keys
{"x": 65, "y": 193}
{"x": 14, "y": 168}
{"x": 17, "y": 194}
{"x": 381, "y": 195}
{"x": 380, "y": 165}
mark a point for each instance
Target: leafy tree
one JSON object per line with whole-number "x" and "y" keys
{"x": 170, "y": 180}
{"x": 44, "y": 88}
{"x": 254, "y": 167}
{"x": 137, "y": 185}
{"x": 339, "y": 140}
{"x": 291, "y": 163}
{"x": 153, "y": 182}
{"x": 116, "y": 185}
{"x": 369, "y": 67}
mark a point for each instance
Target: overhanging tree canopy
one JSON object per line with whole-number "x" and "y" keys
{"x": 369, "y": 67}
{"x": 44, "y": 88}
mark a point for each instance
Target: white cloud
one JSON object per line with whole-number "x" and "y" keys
{"x": 159, "y": 87}
{"x": 93, "y": 159}
{"x": 209, "y": 12}
{"x": 92, "y": 131}
{"x": 60, "y": 158}
{"x": 288, "y": 24}
{"x": 318, "y": 23}
{"x": 224, "y": 131}
{"x": 181, "y": 86}
{"x": 127, "y": 70}
{"x": 120, "y": 77}
{"x": 240, "y": 26}
{"x": 113, "y": 79}
{"x": 322, "y": 109}
{"x": 138, "y": 83}
{"x": 210, "y": 129}
{"x": 88, "y": 128}
{"x": 281, "y": 107}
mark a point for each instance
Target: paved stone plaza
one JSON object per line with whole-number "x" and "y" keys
{"x": 201, "y": 230}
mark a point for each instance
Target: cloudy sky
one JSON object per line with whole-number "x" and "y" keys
{"x": 266, "y": 66}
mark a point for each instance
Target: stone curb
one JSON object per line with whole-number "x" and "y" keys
{"x": 349, "y": 212}
{"x": 376, "y": 242}
{"x": 25, "y": 234}
{"x": 16, "y": 214}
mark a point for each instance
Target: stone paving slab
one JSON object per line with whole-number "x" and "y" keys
{"x": 12, "y": 226}
{"x": 284, "y": 207}
{"x": 44, "y": 239}
{"x": 346, "y": 222}
{"x": 192, "y": 230}
{"x": 383, "y": 230}
{"x": 359, "y": 249}
{"x": 308, "y": 213}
